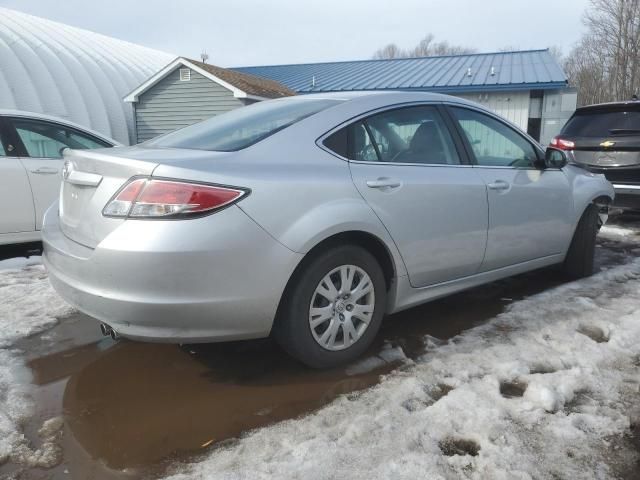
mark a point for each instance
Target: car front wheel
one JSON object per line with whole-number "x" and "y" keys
{"x": 333, "y": 307}
{"x": 579, "y": 262}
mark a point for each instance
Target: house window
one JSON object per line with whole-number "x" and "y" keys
{"x": 185, "y": 74}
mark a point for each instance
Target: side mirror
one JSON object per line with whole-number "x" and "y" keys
{"x": 554, "y": 158}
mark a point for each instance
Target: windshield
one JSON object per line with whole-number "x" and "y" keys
{"x": 603, "y": 124}
{"x": 242, "y": 127}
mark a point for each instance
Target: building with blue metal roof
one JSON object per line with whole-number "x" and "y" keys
{"x": 525, "y": 70}
{"x": 527, "y": 87}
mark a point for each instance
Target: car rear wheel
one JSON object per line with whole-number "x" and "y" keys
{"x": 333, "y": 308}
{"x": 579, "y": 262}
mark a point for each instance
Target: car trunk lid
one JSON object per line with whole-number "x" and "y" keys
{"x": 605, "y": 135}
{"x": 91, "y": 178}
{"x": 612, "y": 151}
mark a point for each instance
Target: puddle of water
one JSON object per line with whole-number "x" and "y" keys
{"x": 130, "y": 408}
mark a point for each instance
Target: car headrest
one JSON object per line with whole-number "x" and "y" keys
{"x": 426, "y": 138}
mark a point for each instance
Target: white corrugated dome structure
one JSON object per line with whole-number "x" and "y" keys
{"x": 52, "y": 68}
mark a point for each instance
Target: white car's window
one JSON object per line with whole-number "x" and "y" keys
{"x": 242, "y": 127}
{"x": 47, "y": 140}
{"x": 493, "y": 142}
{"x": 403, "y": 135}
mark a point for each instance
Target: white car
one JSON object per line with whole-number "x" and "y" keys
{"x": 31, "y": 162}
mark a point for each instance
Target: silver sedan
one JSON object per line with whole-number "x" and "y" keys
{"x": 309, "y": 218}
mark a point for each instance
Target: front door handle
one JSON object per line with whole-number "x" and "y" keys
{"x": 45, "y": 171}
{"x": 498, "y": 185}
{"x": 384, "y": 183}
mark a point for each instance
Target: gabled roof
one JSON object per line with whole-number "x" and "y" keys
{"x": 531, "y": 69}
{"x": 242, "y": 85}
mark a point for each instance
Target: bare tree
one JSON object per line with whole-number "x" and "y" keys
{"x": 556, "y": 52}
{"x": 605, "y": 64}
{"x": 425, "y": 48}
{"x": 389, "y": 51}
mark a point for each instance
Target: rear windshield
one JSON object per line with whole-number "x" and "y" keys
{"x": 603, "y": 123}
{"x": 242, "y": 127}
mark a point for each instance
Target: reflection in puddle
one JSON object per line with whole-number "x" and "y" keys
{"x": 130, "y": 408}
{"x": 138, "y": 403}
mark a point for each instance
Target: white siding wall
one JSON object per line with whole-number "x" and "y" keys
{"x": 514, "y": 106}
{"x": 558, "y": 106}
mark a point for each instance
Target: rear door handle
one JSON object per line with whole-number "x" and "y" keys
{"x": 45, "y": 171}
{"x": 498, "y": 185}
{"x": 383, "y": 183}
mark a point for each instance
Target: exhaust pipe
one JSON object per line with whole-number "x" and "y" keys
{"x": 107, "y": 331}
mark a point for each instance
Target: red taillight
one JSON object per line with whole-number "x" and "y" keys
{"x": 562, "y": 144}
{"x": 159, "y": 198}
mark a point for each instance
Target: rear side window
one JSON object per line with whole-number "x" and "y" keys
{"x": 592, "y": 123}
{"x": 405, "y": 135}
{"x": 242, "y": 127}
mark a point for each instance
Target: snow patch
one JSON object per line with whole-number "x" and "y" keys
{"x": 577, "y": 393}
{"x": 388, "y": 355}
{"x": 15, "y": 401}
{"x": 616, "y": 231}
{"x": 28, "y": 304}
{"x": 50, "y": 452}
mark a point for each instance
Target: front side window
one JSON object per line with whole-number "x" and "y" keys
{"x": 47, "y": 140}
{"x": 405, "y": 135}
{"x": 242, "y": 127}
{"x": 494, "y": 144}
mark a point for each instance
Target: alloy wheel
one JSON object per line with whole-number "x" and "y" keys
{"x": 341, "y": 307}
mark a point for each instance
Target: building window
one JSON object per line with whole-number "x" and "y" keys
{"x": 185, "y": 74}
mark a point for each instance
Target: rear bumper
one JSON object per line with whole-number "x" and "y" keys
{"x": 210, "y": 279}
{"x": 627, "y": 195}
{"x": 626, "y": 184}
{"x": 627, "y": 198}
{"x": 626, "y": 189}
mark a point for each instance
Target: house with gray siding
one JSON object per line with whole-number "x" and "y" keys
{"x": 188, "y": 91}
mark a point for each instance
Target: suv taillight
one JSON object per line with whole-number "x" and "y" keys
{"x": 562, "y": 144}
{"x": 161, "y": 198}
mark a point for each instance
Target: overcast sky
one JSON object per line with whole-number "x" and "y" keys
{"x": 249, "y": 32}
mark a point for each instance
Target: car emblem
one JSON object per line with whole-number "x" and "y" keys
{"x": 607, "y": 144}
{"x": 66, "y": 169}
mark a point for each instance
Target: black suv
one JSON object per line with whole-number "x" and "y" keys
{"x": 605, "y": 138}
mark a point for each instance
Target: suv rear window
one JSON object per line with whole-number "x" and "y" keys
{"x": 243, "y": 126}
{"x": 603, "y": 123}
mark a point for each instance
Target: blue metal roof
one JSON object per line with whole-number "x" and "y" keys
{"x": 530, "y": 69}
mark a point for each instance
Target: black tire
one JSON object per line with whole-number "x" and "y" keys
{"x": 292, "y": 330}
{"x": 579, "y": 262}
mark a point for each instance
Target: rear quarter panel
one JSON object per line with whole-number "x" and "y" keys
{"x": 300, "y": 194}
